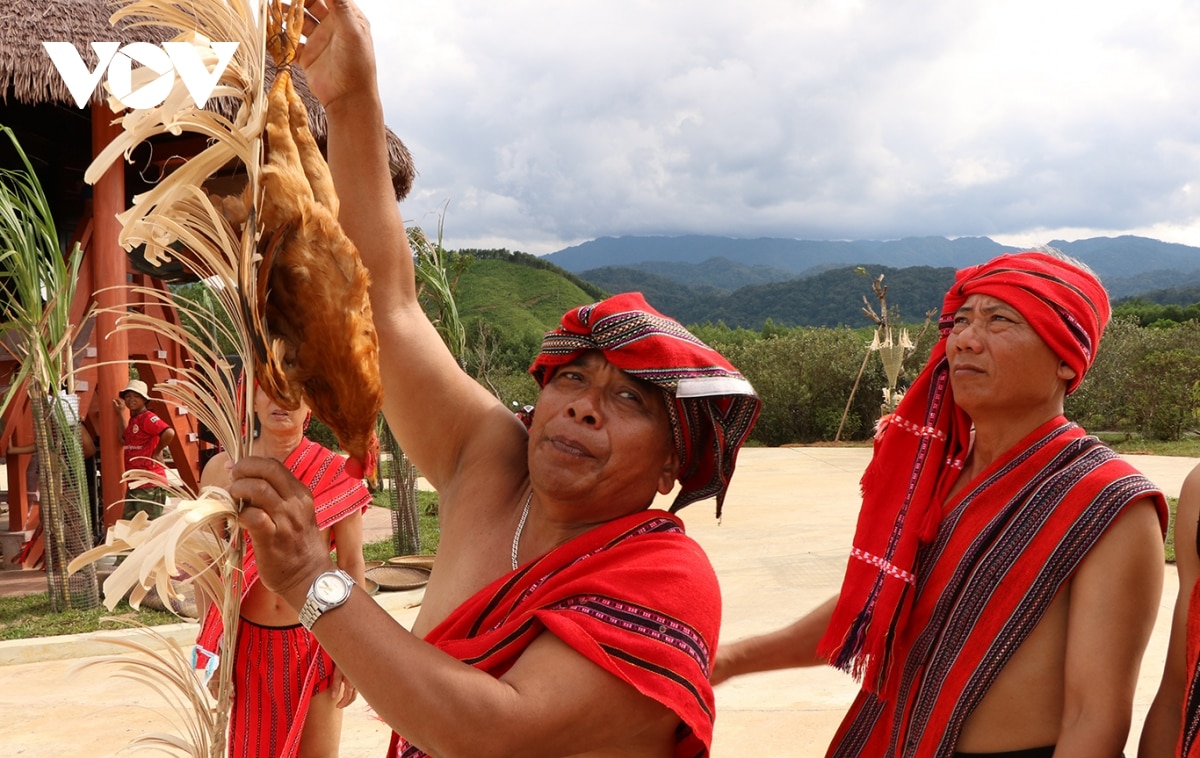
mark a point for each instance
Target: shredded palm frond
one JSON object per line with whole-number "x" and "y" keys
{"x": 161, "y": 665}
{"x": 199, "y": 22}
{"x": 183, "y": 544}
{"x": 198, "y": 541}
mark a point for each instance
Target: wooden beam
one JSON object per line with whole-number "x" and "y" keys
{"x": 109, "y": 269}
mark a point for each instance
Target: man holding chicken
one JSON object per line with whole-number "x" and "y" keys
{"x": 586, "y": 620}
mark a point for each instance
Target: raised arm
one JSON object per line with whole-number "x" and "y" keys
{"x": 1164, "y": 720}
{"x": 424, "y": 388}
{"x": 119, "y": 408}
{"x": 1114, "y": 597}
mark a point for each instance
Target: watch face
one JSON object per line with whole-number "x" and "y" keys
{"x": 329, "y": 588}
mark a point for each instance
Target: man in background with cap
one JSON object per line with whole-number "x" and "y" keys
{"x": 1006, "y": 567}
{"x": 143, "y": 439}
{"x": 564, "y": 616}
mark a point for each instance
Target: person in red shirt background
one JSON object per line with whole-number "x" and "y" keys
{"x": 144, "y": 438}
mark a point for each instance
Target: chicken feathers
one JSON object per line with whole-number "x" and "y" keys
{"x": 319, "y": 340}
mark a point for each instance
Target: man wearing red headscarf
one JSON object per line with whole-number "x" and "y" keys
{"x": 1006, "y": 567}
{"x": 564, "y": 615}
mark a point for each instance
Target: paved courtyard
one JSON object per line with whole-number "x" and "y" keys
{"x": 779, "y": 550}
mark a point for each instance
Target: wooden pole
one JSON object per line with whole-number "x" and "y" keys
{"x": 837, "y": 437}
{"x": 109, "y": 266}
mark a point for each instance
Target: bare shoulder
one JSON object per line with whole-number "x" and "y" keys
{"x": 491, "y": 469}
{"x": 1187, "y": 514}
{"x": 1189, "y": 497}
{"x": 1129, "y": 554}
{"x": 216, "y": 471}
{"x": 1115, "y": 593}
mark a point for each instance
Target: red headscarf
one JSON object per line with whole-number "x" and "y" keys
{"x": 712, "y": 406}
{"x": 919, "y": 451}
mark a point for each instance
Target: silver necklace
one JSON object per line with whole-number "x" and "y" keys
{"x": 520, "y": 528}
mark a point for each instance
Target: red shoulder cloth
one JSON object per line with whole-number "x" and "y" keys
{"x": 635, "y": 596}
{"x": 1006, "y": 545}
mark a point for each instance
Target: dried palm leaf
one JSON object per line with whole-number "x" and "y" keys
{"x": 198, "y": 22}
{"x": 186, "y": 542}
{"x": 200, "y": 537}
{"x": 164, "y": 667}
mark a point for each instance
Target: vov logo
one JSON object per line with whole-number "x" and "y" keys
{"x": 173, "y": 58}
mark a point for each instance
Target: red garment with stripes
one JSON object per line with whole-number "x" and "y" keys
{"x": 1189, "y": 736}
{"x": 1007, "y": 543}
{"x": 336, "y": 495}
{"x": 920, "y": 449}
{"x": 275, "y": 675}
{"x": 635, "y": 596}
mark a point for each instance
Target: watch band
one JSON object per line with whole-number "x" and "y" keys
{"x": 309, "y": 613}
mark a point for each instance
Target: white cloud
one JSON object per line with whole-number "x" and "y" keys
{"x": 538, "y": 124}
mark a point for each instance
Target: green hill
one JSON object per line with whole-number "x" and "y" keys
{"x": 830, "y": 298}
{"x": 519, "y": 302}
{"x": 520, "y": 296}
{"x": 669, "y": 296}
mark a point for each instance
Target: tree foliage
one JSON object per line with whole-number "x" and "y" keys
{"x": 830, "y": 298}
{"x": 804, "y": 377}
{"x": 38, "y": 285}
{"x": 1145, "y": 312}
{"x": 1144, "y": 381}
{"x": 533, "y": 261}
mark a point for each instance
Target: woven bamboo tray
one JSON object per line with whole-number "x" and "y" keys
{"x": 420, "y": 561}
{"x": 394, "y": 578}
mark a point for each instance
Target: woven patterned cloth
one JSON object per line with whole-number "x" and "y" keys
{"x": 635, "y": 596}
{"x": 712, "y": 406}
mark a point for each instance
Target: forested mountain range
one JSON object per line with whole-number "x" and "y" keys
{"x": 788, "y": 256}
{"x": 830, "y": 298}
{"x": 1128, "y": 265}
{"x": 807, "y": 283}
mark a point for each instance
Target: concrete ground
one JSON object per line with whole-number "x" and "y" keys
{"x": 779, "y": 550}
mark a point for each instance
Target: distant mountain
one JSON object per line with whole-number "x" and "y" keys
{"x": 1128, "y": 256}
{"x": 1127, "y": 264}
{"x": 730, "y": 274}
{"x": 1185, "y": 294}
{"x": 1151, "y": 283}
{"x": 788, "y": 255}
{"x": 830, "y": 298}
{"x": 522, "y": 295}
{"x": 667, "y": 295}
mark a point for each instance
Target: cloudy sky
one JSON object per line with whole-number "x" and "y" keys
{"x": 538, "y": 124}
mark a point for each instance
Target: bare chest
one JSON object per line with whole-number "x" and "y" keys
{"x": 469, "y": 559}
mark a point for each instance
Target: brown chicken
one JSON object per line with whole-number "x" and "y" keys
{"x": 319, "y": 341}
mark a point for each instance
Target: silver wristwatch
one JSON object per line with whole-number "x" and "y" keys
{"x": 329, "y": 590}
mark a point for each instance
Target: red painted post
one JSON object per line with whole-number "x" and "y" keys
{"x": 110, "y": 267}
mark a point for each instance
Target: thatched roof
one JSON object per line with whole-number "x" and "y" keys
{"x": 28, "y": 76}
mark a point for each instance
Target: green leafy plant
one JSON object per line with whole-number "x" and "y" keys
{"x": 437, "y": 272}
{"x": 38, "y": 284}
{"x": 28, "y": 616}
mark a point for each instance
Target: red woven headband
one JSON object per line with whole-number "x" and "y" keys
{"x": 713, "y": 407}
{"x": 1064, "y": 304}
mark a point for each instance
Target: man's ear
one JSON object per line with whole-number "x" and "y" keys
{"x": 670, "y": 473}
